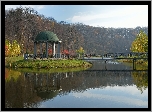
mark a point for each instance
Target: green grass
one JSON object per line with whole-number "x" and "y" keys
{"x": 140, "y": 63}
{"x": 52, "y": 70}
{"x": 10, "y": 60}
{"x": 18, "y": 62}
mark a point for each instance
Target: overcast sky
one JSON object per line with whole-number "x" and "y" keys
{"x": 117, "y": 16}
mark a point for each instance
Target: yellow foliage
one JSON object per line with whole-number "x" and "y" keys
{"x": 11, "y": 74}
{"x": 12, "y": 49}
{"x": 80, "y": 51}
{"x": 140, "y": 44}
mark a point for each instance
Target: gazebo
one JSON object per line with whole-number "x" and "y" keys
{"x": 47, "y": 37}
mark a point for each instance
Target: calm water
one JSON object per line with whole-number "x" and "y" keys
{"x": 97, "y": 87}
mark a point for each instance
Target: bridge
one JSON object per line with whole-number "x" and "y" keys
{"x": 126, "y": 55}
{"x": 134, "y": 56}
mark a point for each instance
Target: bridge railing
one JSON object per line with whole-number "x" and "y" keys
{"x": 126, "y": 55}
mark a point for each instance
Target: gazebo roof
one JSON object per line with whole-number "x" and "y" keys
{"x": 46, "y": 36}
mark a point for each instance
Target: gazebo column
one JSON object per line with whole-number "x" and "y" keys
{"x": 35, "y": 49}
{"x": 41, "y": 50}
{"x": 53, "y": 48}
{"x": 59, "y": 55}
{"x": 46, "y": 49}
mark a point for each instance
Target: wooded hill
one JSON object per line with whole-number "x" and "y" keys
{"x": 23, "y": 25}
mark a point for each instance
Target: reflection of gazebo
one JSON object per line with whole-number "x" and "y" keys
{"x": 47, "y": 37}
{"x": 47, "y": 95}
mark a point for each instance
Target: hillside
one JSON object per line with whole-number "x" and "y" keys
{"x": 102, "y": 40}
{"x": 23, "y": 25}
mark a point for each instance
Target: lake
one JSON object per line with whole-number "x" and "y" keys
{"x": 104, "y": 85}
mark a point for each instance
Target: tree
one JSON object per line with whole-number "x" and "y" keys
{"x": 23, "y": 25}
{"x": 12, "y": 49}
{"x": 7, "y": 48}
{"x": 15, "y": 48}
{"x": 80, "y": 51}
{"x": 140, "y": 44}
{"x": 50, "y": 51}
{"x": 66, "y": 52}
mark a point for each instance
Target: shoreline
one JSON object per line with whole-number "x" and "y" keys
{"x": 140, "y": 65}
{"x": 18, "y": 62}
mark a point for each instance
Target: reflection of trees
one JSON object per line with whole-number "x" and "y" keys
{"x": 56, "y": 81}
{"x": 9, "y": 74}
{"x": 72, "y": 82}
{"x": 101, "y": 79}
{"x": 20, "y": 93}
{"x": 101, "y": 65}
{"x": 80, "y": 81}
{"x": 45, "y": 95}
{"x": 141, "y": 80}
{"x": 29, "y": 89}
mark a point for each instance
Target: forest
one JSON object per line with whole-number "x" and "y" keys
{"x": 23, "y": 25}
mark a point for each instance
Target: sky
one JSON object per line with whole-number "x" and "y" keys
{"x": 116, "y": 16}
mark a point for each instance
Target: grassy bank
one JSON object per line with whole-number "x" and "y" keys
{"x": 19, "y": 62}
{"x": 140, "y": 64}
{"x": 52, "y": 70}
{"x": 10, "y": 60}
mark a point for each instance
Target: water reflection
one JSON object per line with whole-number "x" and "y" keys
{"x": 29, "y": 90}
{"x": 114, "y": 65}
{"x": 19, "y": 93}
{"x": 108, "y": 65}
{"x": 141, "y": 80}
